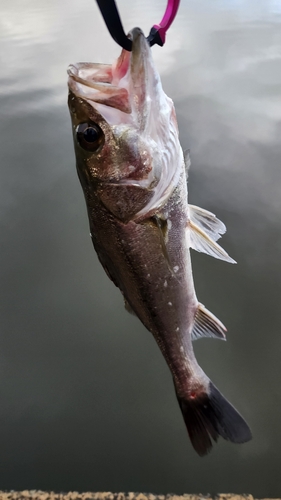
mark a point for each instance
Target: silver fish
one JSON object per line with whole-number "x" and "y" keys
{"x": 134, "y": 176}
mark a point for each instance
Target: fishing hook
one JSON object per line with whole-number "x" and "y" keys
{"x": 157, "y": 33}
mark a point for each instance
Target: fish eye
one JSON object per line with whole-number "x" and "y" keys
{"x": 90, "y": 136}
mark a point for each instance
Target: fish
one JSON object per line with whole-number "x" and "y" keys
{"x": 133, "y": 173}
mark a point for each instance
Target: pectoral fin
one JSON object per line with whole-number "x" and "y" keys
{"x": 205, "y": 229}
{"x": 187, "y": 162}
{"x": 207, "y": 324}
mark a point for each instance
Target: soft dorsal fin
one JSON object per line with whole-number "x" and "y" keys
{"x": 205, "y": 230}
{"x": 128, "y": 307}
{"x": 207, "y": 324}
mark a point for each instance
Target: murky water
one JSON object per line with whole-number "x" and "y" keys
{"x": 86, "y": 400}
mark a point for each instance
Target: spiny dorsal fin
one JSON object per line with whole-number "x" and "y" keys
{"x": 205, "y": 229}
{"x": 207, "y": 324}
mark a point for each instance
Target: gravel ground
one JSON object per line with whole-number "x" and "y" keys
{"x": 74, "y": 495}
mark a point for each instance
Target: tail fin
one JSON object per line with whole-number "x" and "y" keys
{"x": 210, "y": 415}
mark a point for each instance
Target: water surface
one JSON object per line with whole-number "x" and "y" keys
{"x": 87, "y": 402}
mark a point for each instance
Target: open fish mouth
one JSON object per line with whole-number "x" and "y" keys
{"x": 126, "y": 85}
{"x": 94, "y": 82}
{"x": 114, "y": 85}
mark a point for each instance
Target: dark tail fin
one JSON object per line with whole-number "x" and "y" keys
{"x": 210, "y": 415}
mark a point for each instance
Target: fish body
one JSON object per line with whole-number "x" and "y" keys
{"x": 134, "y": 176}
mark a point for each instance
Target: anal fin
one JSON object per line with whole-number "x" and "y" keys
{"x": 206, "y": 324}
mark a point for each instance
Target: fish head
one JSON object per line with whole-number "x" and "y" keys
{"x": 124, "y": 126}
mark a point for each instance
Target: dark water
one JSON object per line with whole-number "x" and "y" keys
{"x": 86, "y": 400}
